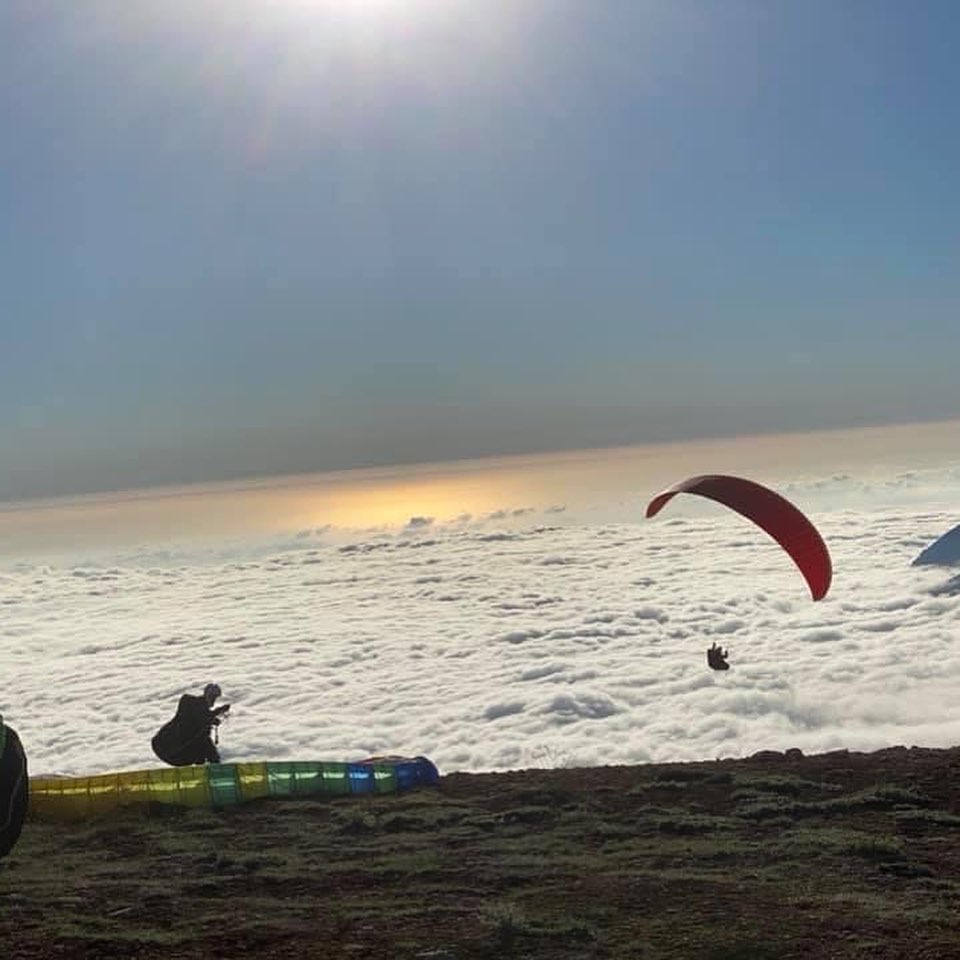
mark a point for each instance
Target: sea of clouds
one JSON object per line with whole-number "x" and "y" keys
{"x": 522, "y": 638}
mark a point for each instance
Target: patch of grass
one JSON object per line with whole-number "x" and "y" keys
{"x": 729, "y": 862}
{"x": 934, "y": 819}
{"x": 782, "y": 785}
{"x": 507, "y": 924}
{"x": 684, "y": 774}
{"x": 669, "y": 784}
{"x": 724, "y": 777}
{"x": 687, "y": 825}
{"x": 741, "y": 950}
{"x": 512, "y": 929}
{"x": 878, "y": 798}
{"x": 529, "y": 815}
{"x": 766, "y": 808}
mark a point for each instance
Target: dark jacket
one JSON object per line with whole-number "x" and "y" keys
{"x": 186, "y": 738}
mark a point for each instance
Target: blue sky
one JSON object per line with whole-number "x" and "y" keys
{"x": 246, "y": 238}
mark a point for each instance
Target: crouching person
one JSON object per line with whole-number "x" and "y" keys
{"x": 185, "y": 739}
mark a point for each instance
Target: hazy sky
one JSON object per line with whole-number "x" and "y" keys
{"x": 246, "y": 237}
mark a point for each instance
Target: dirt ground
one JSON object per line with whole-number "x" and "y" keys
{"x": 777, "y": 856}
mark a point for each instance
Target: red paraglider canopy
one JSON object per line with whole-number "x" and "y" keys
{"x": 769, "y": 511}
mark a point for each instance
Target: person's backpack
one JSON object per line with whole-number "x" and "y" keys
{"x": 14, "y": 788}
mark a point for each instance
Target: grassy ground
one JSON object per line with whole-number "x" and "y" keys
{"x": 833, "y": 856}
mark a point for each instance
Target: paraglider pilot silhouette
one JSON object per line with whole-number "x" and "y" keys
{"x": 717, "y": 657}
{"x": 186, "y": 738}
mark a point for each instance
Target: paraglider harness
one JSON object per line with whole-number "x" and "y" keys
{"x": 219, "y": 715}
{"x": 717, "y": 657}
{"x": 213, "y": 731}
{"x": 222, "y": 713}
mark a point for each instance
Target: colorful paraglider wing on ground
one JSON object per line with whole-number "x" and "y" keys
{"x": 14, "y": 788}
{"x": 224, "y": 784}
{"x": 769, "y": 511}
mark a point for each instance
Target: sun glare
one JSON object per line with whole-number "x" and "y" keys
{"x": 359, "y": 8}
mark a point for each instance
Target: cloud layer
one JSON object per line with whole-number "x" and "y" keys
{"x": 519, "y": 639}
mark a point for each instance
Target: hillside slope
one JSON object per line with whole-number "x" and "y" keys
{"x": 839, "y": 855}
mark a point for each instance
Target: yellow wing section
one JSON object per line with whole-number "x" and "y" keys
{"x": 222, "y": 784}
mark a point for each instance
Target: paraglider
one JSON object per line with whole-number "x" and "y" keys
{"x": 220, "y": 785}
{"x": 769, "y": 511}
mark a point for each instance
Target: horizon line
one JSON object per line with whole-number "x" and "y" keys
{"x": 252, "y": 481}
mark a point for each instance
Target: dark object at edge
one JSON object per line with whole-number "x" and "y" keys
{"x": 14, "y": 788}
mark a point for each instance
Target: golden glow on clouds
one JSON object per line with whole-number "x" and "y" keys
{"x": 397, "y": 501}
{"x": 614, "y": 482}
